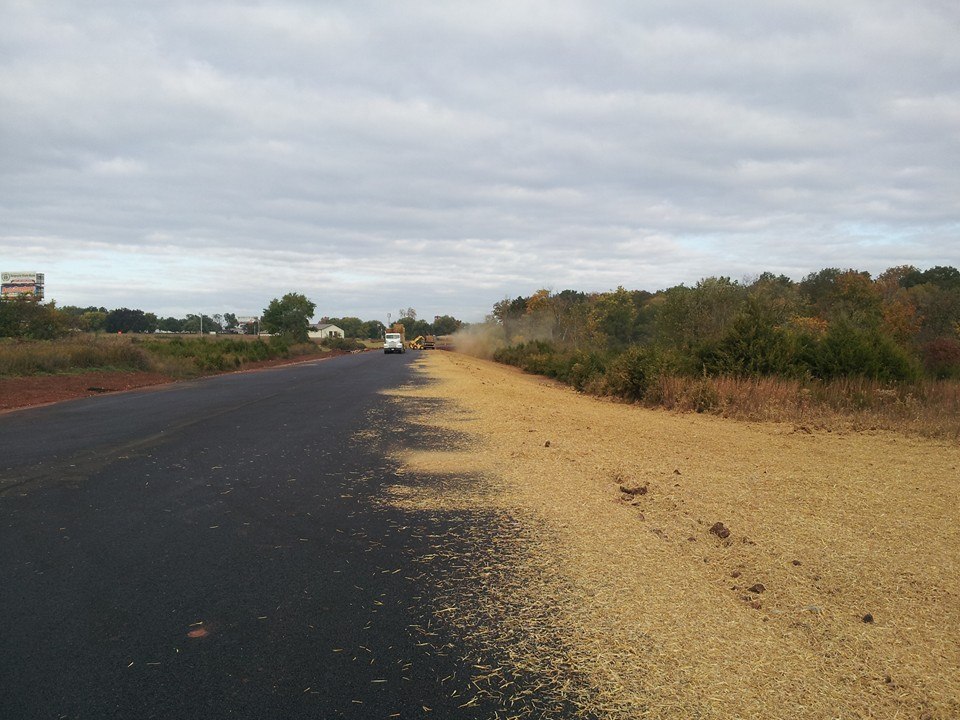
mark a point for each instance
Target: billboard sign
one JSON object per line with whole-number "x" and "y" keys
{"x": 21, "y": 285}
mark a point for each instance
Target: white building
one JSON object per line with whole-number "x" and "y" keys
{"x": 325, "y": 330}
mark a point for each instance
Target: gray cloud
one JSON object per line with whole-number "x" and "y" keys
{"x": 442, "y": 155}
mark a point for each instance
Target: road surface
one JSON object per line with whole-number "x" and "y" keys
{"x": 213, "y": 549}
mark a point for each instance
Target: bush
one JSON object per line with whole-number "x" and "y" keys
{"x": 629, "y": 374}
{"x": 753, "y": 346}
{"x": 220, "y": 354}
{"x": 585, "y": 368}
{"x": 848, "y": 351}
{"x": 338, "y": 343}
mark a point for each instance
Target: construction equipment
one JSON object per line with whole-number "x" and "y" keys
{"x": 430, "y": 342}
{"x": 417, "y": 343}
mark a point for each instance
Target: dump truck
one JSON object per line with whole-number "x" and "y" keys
{"x": 430, "y": 342}
{"x": 393, "y": 339}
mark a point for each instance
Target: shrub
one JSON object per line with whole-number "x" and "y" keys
{"x": 753, "y": 346}
{"x": 338, "y": 343}
{"x": 585, "y": 368}
{"x": 848, "y": 351}
{"x": 630, "y": 373}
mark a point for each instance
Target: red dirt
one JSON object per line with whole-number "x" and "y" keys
{"x": 19, "y": 392}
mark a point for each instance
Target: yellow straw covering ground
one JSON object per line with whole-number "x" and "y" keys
{"x": 836, "y": 593}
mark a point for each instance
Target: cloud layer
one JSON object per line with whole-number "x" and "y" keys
{"x": 189, "y": 156}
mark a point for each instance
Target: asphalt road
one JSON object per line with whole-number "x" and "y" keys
{"x": 213, "y": 549}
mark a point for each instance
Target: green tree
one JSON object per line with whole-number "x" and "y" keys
{"x": 127, "y": 320}
{"x": 614, "y": 315}
{"x": 445, "y": 325}
{"x": 373, "y": 330}
{"x": 170, "y": 324}
{"x": 92, "y": 321}
{"x": 755, "y": 344}
{"x": 289, "y": 316}
{"x": 26, "y": 318}
{"x": 847, "y": 350}
{"x": 508, "y": 313}
{"x": 686, "y": 318}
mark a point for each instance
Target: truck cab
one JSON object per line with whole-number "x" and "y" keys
{"x": 393, "y": 343}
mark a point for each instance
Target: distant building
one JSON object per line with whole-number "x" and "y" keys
{"x": 325, "y": 330}
{"x": 14, "y": 285}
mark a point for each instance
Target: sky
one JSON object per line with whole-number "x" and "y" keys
{"x": 201, "y": 156}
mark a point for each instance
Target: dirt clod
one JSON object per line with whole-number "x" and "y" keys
{"x": 757, "y": 588}
{"x": 634, "y": 489}
{"x": 720, "y": 530}
{"x": 868, "y": 618}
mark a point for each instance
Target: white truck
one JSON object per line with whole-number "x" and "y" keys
{"x": 393, "y": 343}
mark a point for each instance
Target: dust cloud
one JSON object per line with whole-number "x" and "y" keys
{"x": 481, "y": 340}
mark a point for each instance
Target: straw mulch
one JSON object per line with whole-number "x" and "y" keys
{"x": 830, "y": 589}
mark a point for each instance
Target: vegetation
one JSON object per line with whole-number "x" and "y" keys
{"x": 837, "y": 339}
{"x": 289, "y": 316}
{"x": 441, "y": 325}
{"x": 347, "y": 344}
{"x": 70, "y": 355}
{"x": 25, "y": 318}
{"x": 354, "y": 327}
{"x": 177, "y": 356}
{"x": 41, "y": 338}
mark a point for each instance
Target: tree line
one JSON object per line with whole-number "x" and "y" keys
{"x": 901, "y": 325}
{"x": 42, "y": 321}
{"x": 288, "y": 315}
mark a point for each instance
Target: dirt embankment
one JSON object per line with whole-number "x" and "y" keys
{"x": 679, "y": 566}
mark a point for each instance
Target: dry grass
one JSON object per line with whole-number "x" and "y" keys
{"x": 630, "y": 607}
{"x": 930, "y": 408}
{"x": 35, "y": 357}
{"x": 176, "y": 356}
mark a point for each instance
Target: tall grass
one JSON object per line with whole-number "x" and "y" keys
{"x": 178, "y": 357}
{"x": 930, "y": 407}
{"x": 72, "y": 354}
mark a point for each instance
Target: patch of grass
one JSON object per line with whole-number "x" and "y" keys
{"x": 200, "y": 354}
{"x": 40, "y": 357}
{"x": 177, "y": 356}
{"x": 930, "y": 408}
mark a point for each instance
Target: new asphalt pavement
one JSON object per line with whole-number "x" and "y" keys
{"x": 215, "y": 549}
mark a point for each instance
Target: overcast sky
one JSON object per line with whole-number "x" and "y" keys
{"x": 208, "y": 156}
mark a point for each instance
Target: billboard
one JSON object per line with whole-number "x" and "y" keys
{"x": 21, "y": 285}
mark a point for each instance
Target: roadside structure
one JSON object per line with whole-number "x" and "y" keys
{"x": 322, "y": 331}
